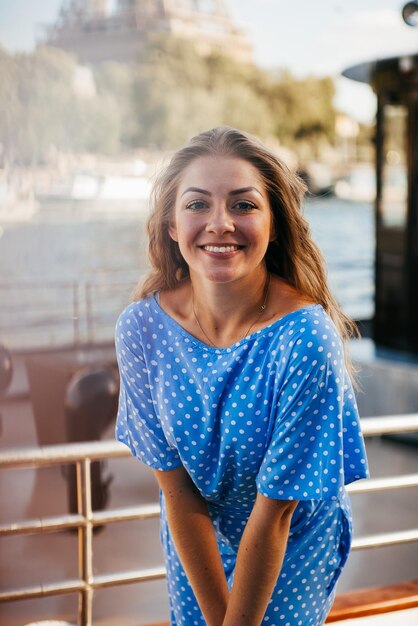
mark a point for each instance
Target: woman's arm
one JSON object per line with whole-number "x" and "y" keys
{"x": 259, "y": 561}
{"x": 194, "y": 537}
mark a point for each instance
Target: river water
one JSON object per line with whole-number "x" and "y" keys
{"x": 66, "y": 274}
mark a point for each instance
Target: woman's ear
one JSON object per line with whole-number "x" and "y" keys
{"x": 172, "y": 231}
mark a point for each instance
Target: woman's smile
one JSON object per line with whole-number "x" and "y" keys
{"x": 221, "y": 250}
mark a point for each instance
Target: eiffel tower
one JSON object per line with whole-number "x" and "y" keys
{"x": 114, "y": 30}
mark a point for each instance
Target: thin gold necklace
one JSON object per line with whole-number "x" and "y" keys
{"x": 262, "y": 308}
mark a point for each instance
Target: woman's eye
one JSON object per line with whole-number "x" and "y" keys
{"x": 196, "y": 205}
{"x": 244, "y": 206}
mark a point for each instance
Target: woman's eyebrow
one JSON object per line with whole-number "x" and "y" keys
{"x": 234, "y": 192}
{"x": 196, "y": 190}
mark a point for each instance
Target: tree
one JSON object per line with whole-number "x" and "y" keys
{"x": 179, "y": 93}
{"x": 115, "y": 98}
{"x": 46, "y": 97}
{"x": 170, "y": 94}
{"x": 304, "y": 109}
{"x": 10, "y": 106}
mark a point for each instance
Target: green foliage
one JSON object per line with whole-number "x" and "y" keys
{"x": 116, "y": 104}
{"x": 10, "y": 105}
{"x": 304, "y": 109}
{"x": 178, "y": 93}
{"x": 169, "y": 94}
{"x": 42, "y": 83}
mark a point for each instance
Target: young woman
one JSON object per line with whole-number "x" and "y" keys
{"x": 235, "y": 389}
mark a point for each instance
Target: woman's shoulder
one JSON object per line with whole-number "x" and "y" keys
{"x": 313, "y": 321}
{"x": 311, "y": 336}
{"x": 307, "y": 329}
{"x": 135, "y": 311}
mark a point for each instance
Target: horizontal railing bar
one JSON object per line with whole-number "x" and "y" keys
{"x": 379, "y": 484}
{"x": 136, "y": 576}
{"x": 126, "y": 578}
{"x": 62, "y": 522}
{"x": 152, "y": 510}
{"x": 42, "y": 524}
{"x": 37, "y": 285}
{"x": 53, "y": 283}
{"x": 95, "y": 450}
{"x": 52, "y": 286}
{"x": 39, "y": 591}
{"x": 385, "y": 539}
{"x": 73, "y": 586}
{"x": 146, "y": 511}
{"x": 389, "y": 424}
{"x": 62, "y": 453}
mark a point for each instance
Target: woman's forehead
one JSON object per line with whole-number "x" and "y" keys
{"x": 220, "y": 172}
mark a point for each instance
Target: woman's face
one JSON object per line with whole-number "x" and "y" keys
{"x": 222, "y": 219}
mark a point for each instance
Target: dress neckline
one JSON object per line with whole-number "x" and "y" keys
{"x": 237, "y": 344}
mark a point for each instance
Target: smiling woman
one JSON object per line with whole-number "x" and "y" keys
{"x": 235, "y": 391}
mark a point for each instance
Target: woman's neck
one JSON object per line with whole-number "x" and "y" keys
{"x": 225, "y": 313}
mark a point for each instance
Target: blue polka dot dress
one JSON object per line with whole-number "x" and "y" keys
{"x": 273, "y": 413}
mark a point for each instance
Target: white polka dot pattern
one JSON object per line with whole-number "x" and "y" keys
{"x": 275, "y": 412}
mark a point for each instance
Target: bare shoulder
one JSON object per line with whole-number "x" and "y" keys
{"x": 284, "y": 298}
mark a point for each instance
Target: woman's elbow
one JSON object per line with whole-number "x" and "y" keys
{"x": 275, "y": 512}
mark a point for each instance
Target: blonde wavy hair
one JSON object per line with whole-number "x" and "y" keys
{"x": 293, "y": 255}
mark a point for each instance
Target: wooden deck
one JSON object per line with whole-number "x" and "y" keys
{"x": 375, "y": 600}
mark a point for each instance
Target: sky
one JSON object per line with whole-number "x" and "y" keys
{"x": 308, "y": 37}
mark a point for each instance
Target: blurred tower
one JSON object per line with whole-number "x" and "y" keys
{"x": 100, "y": 8}
{"x": 114, "y": 30}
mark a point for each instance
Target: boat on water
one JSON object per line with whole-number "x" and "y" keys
{"x": 97, "y": 192}
{"x": 358, "y": 185}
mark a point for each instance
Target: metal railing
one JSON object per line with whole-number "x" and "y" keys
{"x": 63, "y": 313}
{"x": 82, "y": 454}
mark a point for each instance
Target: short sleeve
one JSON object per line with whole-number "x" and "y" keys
{"x": 316, "y": 445}
{"x": 137, "y": 424}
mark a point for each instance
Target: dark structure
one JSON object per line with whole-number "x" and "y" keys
{"x": 395, "y": 81}
{"x": 90, "y": 406}
{"x": 114, "y": 30}
{"x": 74, "y": 397}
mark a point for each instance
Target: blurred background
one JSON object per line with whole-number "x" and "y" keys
{"x": 94, "y": 97}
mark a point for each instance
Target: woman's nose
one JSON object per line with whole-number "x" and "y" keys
{"x": 220, "y": 220}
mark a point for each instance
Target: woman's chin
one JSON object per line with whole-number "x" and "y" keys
{"x": 218, "y": 277}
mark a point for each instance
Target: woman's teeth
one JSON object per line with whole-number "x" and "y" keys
{"x": 221, "y": 248}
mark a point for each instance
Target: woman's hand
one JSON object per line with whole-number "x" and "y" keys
{"x": 194, "y": 537}
{"x": 259, "y": 561}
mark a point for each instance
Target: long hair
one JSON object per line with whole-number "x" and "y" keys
{"x": 292, "y": 255}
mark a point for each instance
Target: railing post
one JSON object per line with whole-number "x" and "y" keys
{"x": 85, "y": 542}
{"x": 76, "y": 315}
{"x": 89, "y": 313}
